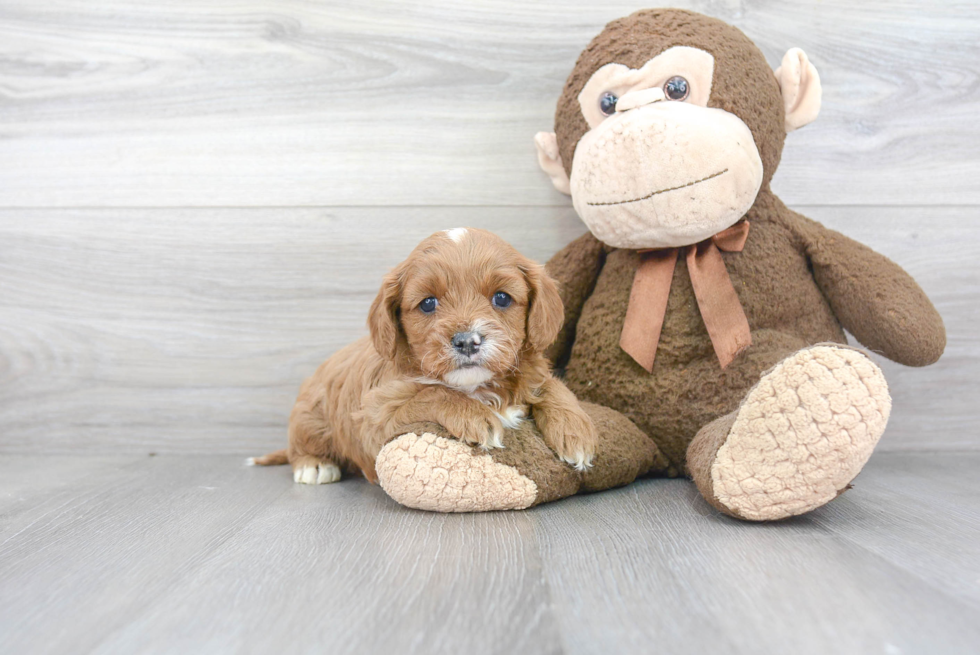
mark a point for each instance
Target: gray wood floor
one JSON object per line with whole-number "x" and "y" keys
{"x": 119, "y": 554}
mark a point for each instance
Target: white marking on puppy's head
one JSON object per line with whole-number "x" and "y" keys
{"x": 456, "y": 234}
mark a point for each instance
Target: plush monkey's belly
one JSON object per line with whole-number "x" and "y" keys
{"x": 687, "y": 387}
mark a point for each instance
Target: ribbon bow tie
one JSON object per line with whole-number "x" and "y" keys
{"x": 719, "y": 305}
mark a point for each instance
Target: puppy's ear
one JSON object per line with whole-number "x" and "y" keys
{"x": 546, "y": 312}
{"x": 383, "y": 316}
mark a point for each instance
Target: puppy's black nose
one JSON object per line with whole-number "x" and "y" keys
{"x": 467, "y": 343}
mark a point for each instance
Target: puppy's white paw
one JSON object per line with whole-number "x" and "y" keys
{"x": 324, "y": 473}
{"x": 495, "y": 440}
{"x": 579, "y": 461}
{"x": 250, "y": 461}
{"x": 327, "y": 473}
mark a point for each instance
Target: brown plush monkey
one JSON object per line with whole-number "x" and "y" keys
{"x": 704, "y": 319}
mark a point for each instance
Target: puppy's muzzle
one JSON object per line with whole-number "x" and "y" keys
{"x": 467, "y": 343}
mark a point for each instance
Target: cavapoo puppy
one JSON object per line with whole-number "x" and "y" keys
{"x": 458, "y": 332}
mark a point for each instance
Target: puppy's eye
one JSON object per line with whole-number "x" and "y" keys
{"x": 428, "y": 305}
{"x": 501, "y": 300}
{"x": 607, "y": 103}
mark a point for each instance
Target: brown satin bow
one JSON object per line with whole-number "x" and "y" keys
{"x": 720, "y": 308}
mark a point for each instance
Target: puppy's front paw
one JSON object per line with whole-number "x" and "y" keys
{"x": 572, "y": 436}
{"x": 484, "y": 431}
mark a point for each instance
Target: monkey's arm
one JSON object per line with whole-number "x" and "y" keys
{"x": 576, "y": 268}
{"x": 874, "y": 299}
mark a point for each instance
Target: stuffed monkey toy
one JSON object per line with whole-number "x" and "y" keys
{"x": 704, "y": 320}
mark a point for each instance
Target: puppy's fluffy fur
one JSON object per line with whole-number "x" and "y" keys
{"x": 409, "y": 370}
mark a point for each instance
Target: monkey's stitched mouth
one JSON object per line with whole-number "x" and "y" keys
{"x": 655, "y": 193}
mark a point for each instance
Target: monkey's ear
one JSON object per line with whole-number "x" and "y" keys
{"x": 549, "y": 159}
{"x": 800, "y": 85}
{"x": 383, "y": 316}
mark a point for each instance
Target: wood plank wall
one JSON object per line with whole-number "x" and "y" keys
{"x": 198, "y": 200}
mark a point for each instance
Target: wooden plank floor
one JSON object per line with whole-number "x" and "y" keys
{"x": 123, "y": 554}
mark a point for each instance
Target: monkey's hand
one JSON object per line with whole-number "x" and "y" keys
{"x": 874, "y": 298}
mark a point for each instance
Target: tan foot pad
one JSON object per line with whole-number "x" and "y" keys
{"x": 802, "y": 434}
{"x": 443, "y": 475}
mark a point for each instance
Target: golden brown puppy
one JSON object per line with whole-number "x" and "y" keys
{"x": 457, "y": 335}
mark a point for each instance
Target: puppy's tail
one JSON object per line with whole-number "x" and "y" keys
{"x": 272, "y": 459}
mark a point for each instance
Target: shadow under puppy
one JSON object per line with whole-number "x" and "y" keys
{"x": 458, "y": 333}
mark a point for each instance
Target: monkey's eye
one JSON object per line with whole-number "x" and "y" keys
{"x": 501, "y": 300}
{"x": 676, "y": 88}
{"x": 428, "y": 305}
{"x": 607, "y": 103}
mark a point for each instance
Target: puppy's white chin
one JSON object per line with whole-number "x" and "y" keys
{"x": 468, "y": 379}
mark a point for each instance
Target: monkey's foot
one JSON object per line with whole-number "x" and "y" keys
{"x": 430, "y": 472}
{"x": 799, "y": 438}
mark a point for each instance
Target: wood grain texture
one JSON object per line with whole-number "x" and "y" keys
{"x": 632, "y": 558}
{"x": 345, "y": 569}
{"x": 895, "y": 494}
{"x": 205, "y": 555}
{"x": 163, "y": 517}
{"x": 176, "y": 555}
{"x": 191, "y": 330}
{"x": 28, "y": 481}
{"x": 409, "y": 103}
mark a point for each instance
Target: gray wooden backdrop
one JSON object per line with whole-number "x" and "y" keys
{"x": 198, "y": 199}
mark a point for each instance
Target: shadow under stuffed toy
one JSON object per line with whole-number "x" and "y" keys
{"x": 704, "y": 320}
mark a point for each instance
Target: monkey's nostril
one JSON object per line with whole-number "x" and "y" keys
{"x": 468, "y": 343}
